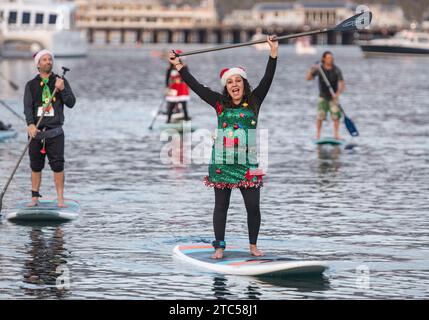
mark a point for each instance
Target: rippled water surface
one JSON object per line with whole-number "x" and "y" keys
{"x": 363, "y": 210}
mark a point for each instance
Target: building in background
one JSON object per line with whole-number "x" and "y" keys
{"x": 29, "y": 25}
{"x": 146, "y": 21}
{"x": 118, "y": 22}
{"x": 286, "y": 17}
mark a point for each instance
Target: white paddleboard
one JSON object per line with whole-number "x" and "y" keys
{"x": 239, "y": 262}
{"x": 46, "y": 210}
{"x": 179, "y": 126}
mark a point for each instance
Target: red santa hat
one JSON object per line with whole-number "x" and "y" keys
{"x": 229, "y": 72}
{"x": 40, "y": 54}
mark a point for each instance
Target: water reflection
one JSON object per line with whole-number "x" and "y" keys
{"x": 299, "y": 283}
{"x": 45, "y": 268}
{"x": 257, "y": 285}
{"x": 220, "y": 288}
{"x": 329, "y": 164}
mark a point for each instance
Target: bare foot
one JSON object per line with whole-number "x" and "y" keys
{"x": 218, "y": 254}
{"x": 34, "y": 203}
{"x": 60, "y": 202}
{"x": 254, "y": 251}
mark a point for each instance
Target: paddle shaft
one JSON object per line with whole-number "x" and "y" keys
{"x": 249, "y": 43}
{"x": 11, "y": 110}
{"x": 28, "y": 144}
{"x": 156, "y": 115}
{"x": 358, "y": 21}
{"x": 12, "y": 84}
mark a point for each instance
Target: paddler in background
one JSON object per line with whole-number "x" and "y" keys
{"x": 327, "y": 103}
{"x": 48, "y": 139}
{"x": 177, "y": 91}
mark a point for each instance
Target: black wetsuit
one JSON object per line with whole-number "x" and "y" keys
{"x": 54, "y": 146}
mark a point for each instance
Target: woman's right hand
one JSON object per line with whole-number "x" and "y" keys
{"x": 175, "y": 61}
{"x": 274, "y": 45}
{"x": 32, "y": 130}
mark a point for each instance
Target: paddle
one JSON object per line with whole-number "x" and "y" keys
{"x": 65, "y": 70}
{"x": 347, "y": 121}
{"x": 14, "y": 87}
{"x": 358, "y": 21}
{"x": 12, "y": 84}
{"x": 11, "y": 110}
{"x": 156, "y": 115}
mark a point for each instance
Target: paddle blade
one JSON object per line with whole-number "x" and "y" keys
{"x": 359, "y": 21}
{"x": 13, "y": 85}
{"x": 350, "y": 127}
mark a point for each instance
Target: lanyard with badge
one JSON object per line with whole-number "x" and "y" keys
{"x": 46, "y": 99}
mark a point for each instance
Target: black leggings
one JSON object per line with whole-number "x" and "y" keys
{"x": 170, "y": 109}
{"x": 251, "y": 198}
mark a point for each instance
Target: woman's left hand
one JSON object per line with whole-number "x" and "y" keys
{"x": 274, "y": 45}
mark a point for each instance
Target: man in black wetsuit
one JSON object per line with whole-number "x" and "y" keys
{"x": 48, "y": 139}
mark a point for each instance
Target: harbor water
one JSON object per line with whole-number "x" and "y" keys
{"x": 363, "y": 210}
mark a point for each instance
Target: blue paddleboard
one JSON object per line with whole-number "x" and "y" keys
{"x": 46, "y": 210}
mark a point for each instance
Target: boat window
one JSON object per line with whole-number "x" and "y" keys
{"x": 424, "y": 40}
{"x": 39, "y": 18}
{"x": 52, "y": 19}
{"x": 12, "y": 17}
{"x": 26, "y": 18}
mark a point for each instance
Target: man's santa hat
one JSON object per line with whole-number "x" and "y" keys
{"x": 40, "y": 54}
{"x": 229, "y": 72}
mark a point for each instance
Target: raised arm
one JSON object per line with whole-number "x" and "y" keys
{"x": 205, "y": 93}
{"x": 264, "y": 85}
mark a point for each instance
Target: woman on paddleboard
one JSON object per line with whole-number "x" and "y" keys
{"x": 233, "y": 163}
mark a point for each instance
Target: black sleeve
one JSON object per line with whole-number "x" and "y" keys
{"x": 67, "y": 95}
{"x": 205, "y": 93}
{"x": 28, "y": 106}
{"x": 264, "y": 85}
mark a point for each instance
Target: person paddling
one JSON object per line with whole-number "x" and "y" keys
{"x": 178, "y": 93}
{"x": 327, "y": 103}
{"x": 48, "y": 139}
{"x": 237, "y": 112}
